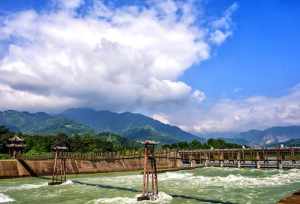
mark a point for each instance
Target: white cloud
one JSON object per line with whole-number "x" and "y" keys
{"x": 121, "y": 59}
{"x": 161, "y": 117}
{"x": 127, "y": 58}
{"x": 253, "y": 112}
{"x": 21, "y": 99}
{"x": 68, "y": 4}
{"x": 222, "y": 27}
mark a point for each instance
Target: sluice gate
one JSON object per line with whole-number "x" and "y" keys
{"x": 257, "y": 158}
{"x": 239, "y": 158}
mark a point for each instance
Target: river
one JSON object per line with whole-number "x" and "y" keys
{"x": 203, "y": 185}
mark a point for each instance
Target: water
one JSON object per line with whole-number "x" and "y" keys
{"x": 205, "y": 185}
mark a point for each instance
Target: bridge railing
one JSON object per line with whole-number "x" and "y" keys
{"x": 216, "y": 154}
{"x": 269, "y": 154}
{"x": 95, "y": 156}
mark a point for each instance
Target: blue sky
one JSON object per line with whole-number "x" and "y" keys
{"x": 262, "y": 56}
{"x": 253, "y": 69}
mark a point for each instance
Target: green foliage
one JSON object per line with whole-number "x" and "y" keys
{"x": 101, "y": 142}
{"x": 195, "y": 144}
{"x": 131, "y": 125}
{"x": 40, "y": 123}
{"x": 40, "y": 144}
{"x": 4, "y": 135}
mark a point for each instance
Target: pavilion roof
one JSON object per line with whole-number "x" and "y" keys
{"x": 16, "y": 138}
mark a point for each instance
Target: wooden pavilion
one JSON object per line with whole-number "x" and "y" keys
{"x": 15, "y": 146}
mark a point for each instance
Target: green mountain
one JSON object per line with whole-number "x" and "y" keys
{"x": 132, "y": 125}
{"x": 268, "y": 136}
{"x": 289, "y": 143}
{"x": 40, "y": 123}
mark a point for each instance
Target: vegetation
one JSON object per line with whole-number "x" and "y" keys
{"x": 88, "y": 121}
{"x": 195, "y": 144}
{"x": 102, "y": 142}
{"x": 37, "y": 144}
{"x": 41, "y": 123}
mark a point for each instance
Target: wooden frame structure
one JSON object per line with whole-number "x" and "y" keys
{"x": 59, "y": 166}
{"x": 15, "y": 146}
{"x": 150, "y": 172}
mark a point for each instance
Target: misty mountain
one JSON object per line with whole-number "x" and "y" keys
{"x": 81, "y": 120}
{"x": 132, "y": 125}
{"x": 267, "y": 137}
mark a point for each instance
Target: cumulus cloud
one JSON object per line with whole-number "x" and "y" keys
{"x": 253, "y": 112}
{"x": 126, "y": 58}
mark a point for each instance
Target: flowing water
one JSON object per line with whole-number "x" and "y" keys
{"x": 203, "y": 185}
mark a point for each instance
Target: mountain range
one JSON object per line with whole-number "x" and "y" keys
{"x": 273, "y": 135}
{"x": 133, "y": 126}
{"x": 84, "y": 120}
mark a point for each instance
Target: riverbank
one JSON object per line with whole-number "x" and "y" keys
{"x": 291, "y": 199}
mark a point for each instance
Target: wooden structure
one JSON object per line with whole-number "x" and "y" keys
{"x": 257, "y": 158}
{"x": 150, "y": 172}
{"x": 15, "y": 146}
{"x": 238, "y": 158}
{"x": 59, "y": 166}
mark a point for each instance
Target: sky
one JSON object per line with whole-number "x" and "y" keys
{"x": 205, "y": 66}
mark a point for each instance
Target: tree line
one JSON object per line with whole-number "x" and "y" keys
{"x": 101, "y": 142}
{"x": 210, "y": 143}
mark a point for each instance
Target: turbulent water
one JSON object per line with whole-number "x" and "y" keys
{"x": 205, "y": 185}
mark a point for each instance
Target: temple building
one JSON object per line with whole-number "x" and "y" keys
{"x": 15, "y": 146}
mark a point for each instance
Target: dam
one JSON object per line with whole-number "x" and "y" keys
{"x": 76, "y": 163}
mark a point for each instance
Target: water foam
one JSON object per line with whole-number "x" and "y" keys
{"x": 163, "y": 198}
{"x": 68, "y": 182}
{"x": 22, "y": 187}
{"x": 233, "y": 180}
{"x": 5, "y": 198}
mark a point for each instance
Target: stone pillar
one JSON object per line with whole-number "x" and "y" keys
{"x": 193, "y": 163}
{"x": 206, "y": 163}
{"x": 257, "y": 160}
{"x": 257, "y": 164}
{"x": 179, "y": 163}
{"x": 279, "y": 163}
{"x": 238, "y": 164}
{"x": 238, "y": 158}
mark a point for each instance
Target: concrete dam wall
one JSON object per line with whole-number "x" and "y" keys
{"x": 18, "y": 168}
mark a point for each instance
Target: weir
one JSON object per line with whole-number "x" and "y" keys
{"x": 167, "y": 160}
{"x": 243, "y": 158}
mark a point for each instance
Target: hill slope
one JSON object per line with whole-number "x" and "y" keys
{"x": 269, "y": 136}
{"x": 40, "y": 123}
{"x": 132, "y": 125}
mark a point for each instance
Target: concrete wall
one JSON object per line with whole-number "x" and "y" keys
{"x": 13, "y": 168}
